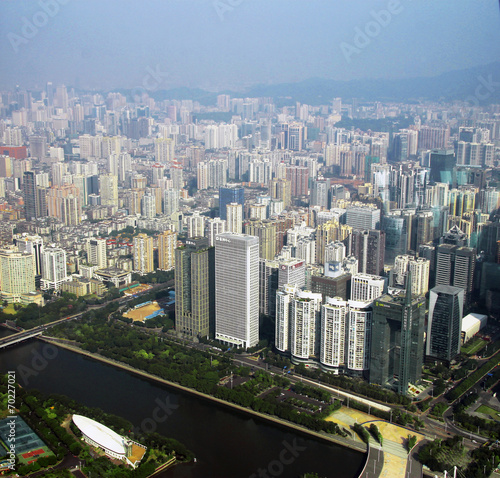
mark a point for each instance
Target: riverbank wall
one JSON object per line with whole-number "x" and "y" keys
{"x": 360, "y": 447}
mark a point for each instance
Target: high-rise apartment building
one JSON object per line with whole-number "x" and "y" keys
{"x": 237, "y": 289}
{"x": 334, "y": 316}
{"x": 108, "y": 189}
{"x": 268, "y": 238}
{"x": 195, "y": 225}
{"x": 53, "y": 268}
{"x": 143, "y": 254}
{"x": 32, "y": 244}
{"x": 420, "y": 269}
{"x": 167, "y": 242}
{"x": 96, "y": 252}
{"x": 17, "y": 274}
{"x": 234, "y": 218}
{"x": 195, "y": 288}
{"x": 214, "y": 226}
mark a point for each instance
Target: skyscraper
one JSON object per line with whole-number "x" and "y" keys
{"x": 30, "y": 196}
{"x": 228, "y": 195}
{"x": 455, "y": 266}
{"x": 195, "y": 288}
{"x": 446, "y": 305}
{"x": 237, "y": 289}
{"x": 397, "y": 341}
{"x": 368, "y": 247}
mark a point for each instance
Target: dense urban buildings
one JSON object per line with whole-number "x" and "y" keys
{"x": 277, "y": 218}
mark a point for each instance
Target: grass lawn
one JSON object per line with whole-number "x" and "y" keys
{"x": 474, "y": 346}
{"x": 491, "y": 412}
{"x": 9, "y": 309}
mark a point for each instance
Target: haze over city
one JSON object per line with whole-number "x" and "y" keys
{"x": 248, "y": 238}
{"x": 232, "y": 44}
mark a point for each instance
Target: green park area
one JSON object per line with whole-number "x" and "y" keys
{"x": 9, "y": 310}
{"x": 490, "y": 412}
{"x": 473, "y": 346}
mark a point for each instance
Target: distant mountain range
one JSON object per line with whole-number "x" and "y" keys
{"x": 477, "y": 86}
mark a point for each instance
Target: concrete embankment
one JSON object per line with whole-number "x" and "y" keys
{"x": 329, "y": 438}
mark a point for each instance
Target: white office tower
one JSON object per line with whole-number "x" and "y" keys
{"x": 234, "y": 217}
{"x": 304, "y": 323}
{"x": 367, "y": 287}
{"x": 196, "y": 225}
{"x": 148, "y": 206}
{"x": 363, "y": 217}
{"x": 282, "y": 327}
{"x": 170, "y": 201}
{"x": 237, "y": 289}
{"x": 96, "y": 252}
{"x": 333, "y": 333}
{"x": 214, "y": 226}
{"x": 53, "y": 268}
{"x": 419, "y": 268}
{"x": 334, "y": 252}
{"x": 32, "y": 244}
{"x": 358, "y": 336}
{"x": 108, "y": 189}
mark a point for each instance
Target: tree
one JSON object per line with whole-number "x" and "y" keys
{"x": 412, "y": 441}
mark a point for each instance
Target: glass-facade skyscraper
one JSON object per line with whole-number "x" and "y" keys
{"x": 397, "y": 342}
{"x": 446, "y": 305}
{"x": 229, "y": 195}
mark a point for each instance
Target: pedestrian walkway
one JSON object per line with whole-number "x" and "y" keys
{"x": 393, "y": 450}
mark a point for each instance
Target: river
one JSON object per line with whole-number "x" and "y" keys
{"x": 227, "y": 443}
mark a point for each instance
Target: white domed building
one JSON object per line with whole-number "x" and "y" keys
{"x": 114, "y": 445}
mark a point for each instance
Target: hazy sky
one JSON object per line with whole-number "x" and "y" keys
{"x": 217, "y": 44}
